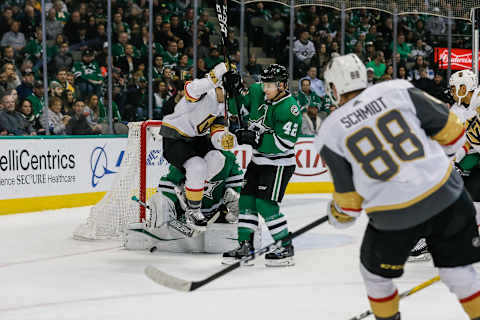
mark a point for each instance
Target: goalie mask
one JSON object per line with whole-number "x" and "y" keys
{"x": 464, "y": 77}
{"x": 347, "y": 73}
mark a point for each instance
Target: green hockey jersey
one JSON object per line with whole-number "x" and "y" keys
{"x": 87, "y": 72}
{"x": 280, "y": 122}
{"x": 230, "y": 176}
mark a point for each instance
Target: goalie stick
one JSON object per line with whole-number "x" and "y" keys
{"x": 179, "y": 284}
{"x": 404, "y": 294}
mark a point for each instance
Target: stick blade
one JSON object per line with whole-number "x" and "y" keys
{"x": 167, "y": 280}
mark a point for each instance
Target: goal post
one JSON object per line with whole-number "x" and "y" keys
{"x": 141, "y": 169}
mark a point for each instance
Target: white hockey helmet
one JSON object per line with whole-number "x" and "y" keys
{"x": 347, "y": 73}
{"x": 464, "y": 77}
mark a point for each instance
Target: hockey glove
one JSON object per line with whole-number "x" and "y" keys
{"x": 216, "y": 74}
{"x": 232, "y": 82}
{"x": 461, "y": 171}
{"x": 338, "y": 218}
{"x": 251, "y": 137}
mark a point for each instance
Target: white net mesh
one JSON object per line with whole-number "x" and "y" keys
{"x": 461, "y": 9}
{"x": 109, "y": 216}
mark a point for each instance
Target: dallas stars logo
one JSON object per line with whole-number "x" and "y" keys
{"x": 259, "y": 124}
{"x": 209, "y": 188}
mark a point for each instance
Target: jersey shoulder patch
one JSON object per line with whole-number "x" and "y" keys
{"x": 295, "y": 110}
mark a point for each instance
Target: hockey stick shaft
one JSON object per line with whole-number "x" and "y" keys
{"x": 175, "y": 283}
{"x": 222, "y": 18}
{"x": 404, "y": 294}
{"x": 140, "y": 202}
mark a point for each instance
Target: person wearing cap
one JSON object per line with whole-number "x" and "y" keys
{"x": 370, "y": 77}
{"x": 26, "y": 87}
{"x": 36, "y": 98}
{"x": 56, "y": 89}
{"x": 87, "y": 74}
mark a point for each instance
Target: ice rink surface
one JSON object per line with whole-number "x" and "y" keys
{"x": 46, "y": 274}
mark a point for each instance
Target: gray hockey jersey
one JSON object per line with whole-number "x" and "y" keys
{"x": 385, "y": 152}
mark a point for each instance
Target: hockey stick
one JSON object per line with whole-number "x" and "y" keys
{"x": 222, "y": 17}
{"x": 404, "y": 294}
{"x": 175, "y": 283}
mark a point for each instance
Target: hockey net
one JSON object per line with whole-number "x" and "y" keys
{"x": 141, "y": 169}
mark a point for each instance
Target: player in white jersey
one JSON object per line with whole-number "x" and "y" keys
{"x": 386, "y": 151}
{"x": 194, "y": 128}
{"x": 465, "y": 92}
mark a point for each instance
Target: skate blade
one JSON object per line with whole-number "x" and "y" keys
{"x": 230, "y": 261}
{"x": 287, "y": 262}
{"x": 420, "y": 258}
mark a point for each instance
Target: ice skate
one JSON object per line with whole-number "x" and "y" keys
{"x": 232, "y": 256}
{"x": 196, "y": 220}
{"x": 281, "y": 257}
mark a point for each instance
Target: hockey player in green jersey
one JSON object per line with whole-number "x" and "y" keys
{"x": 273, "y": 128}
{"x": 166, "y": 226}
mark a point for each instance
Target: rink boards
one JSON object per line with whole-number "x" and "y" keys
{"x": 42, "y": 173}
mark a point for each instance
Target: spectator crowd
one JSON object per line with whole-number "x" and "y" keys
{"x": 77, "y": 56}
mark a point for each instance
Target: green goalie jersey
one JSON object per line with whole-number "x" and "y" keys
{"x": 230, "y": 176}
{"x": 279, "y": 121}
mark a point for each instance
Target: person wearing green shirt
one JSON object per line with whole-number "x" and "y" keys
{"x": 274, "y": 125}
{"x": 402, "y": 47}
{"x": 378, "y": 65}
{"x": 306, "y": 97}
{"x": 87, "y": 74}
{"x": 36, "y": 98}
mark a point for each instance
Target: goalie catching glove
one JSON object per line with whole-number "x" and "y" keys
{"x": 338, "y": 218}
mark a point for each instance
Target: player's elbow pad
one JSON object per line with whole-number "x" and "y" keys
{"x": 452, "y": 149}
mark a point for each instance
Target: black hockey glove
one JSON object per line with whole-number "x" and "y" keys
{"x": 232, "y": 82}
{"x": 251, "y": 137}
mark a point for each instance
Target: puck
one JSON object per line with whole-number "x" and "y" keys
{"x": 153, "y": 249}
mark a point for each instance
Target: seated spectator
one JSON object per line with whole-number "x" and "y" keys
{"x": 315, "y": 84}
{"x": 36, "y": 98}
{"x": 63, "y": 59}
{"x": 54, "y": 120}
{"x": 253, "y": 68}
{"x": 402, "y": 73}
{"x": 14, "y": 37}
{"x": 26, "y": 87}
{"x": 370, "y": 77}
{"x": 439, "y": 89}
{"x": 53, "y": 26}
{"x": 161, "y": 95}
{"x": 274, "y": 31}
{"x": 423, "y": 83}
{"x": 3, "y": 82}
{"x": 303, "y": 50}
{"x": 306, "y": 96}
{"x": 87, "y": 75}
{"x": 421, "y": 49}
{"x": 118, "y": 49}
{"x": 78, "y": 124}
{"x": 11, "y": 121}
{"x": 10, "y": 70}
{"x": 177, "y": 94}
{"x": 92, "y": 114}
{"x": 56, "y": 90}
{"x": 68, "y": 100}
{"x": 402, "y": 47}
{"x": 213, "y": 59}
{"x": 127, "y": 62}
{"x": 311, "y": 121}
{"x": 118, "y": 126}
{"x": 26, "y": 112}
{"x": 8, "y": 55}
{"x": 378, "y": 65}
{"x": 61, "y": 79}
{"x": 171, "y": 56}
{"x": 416, "y": 69}
{"x": 201, "y": 68}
